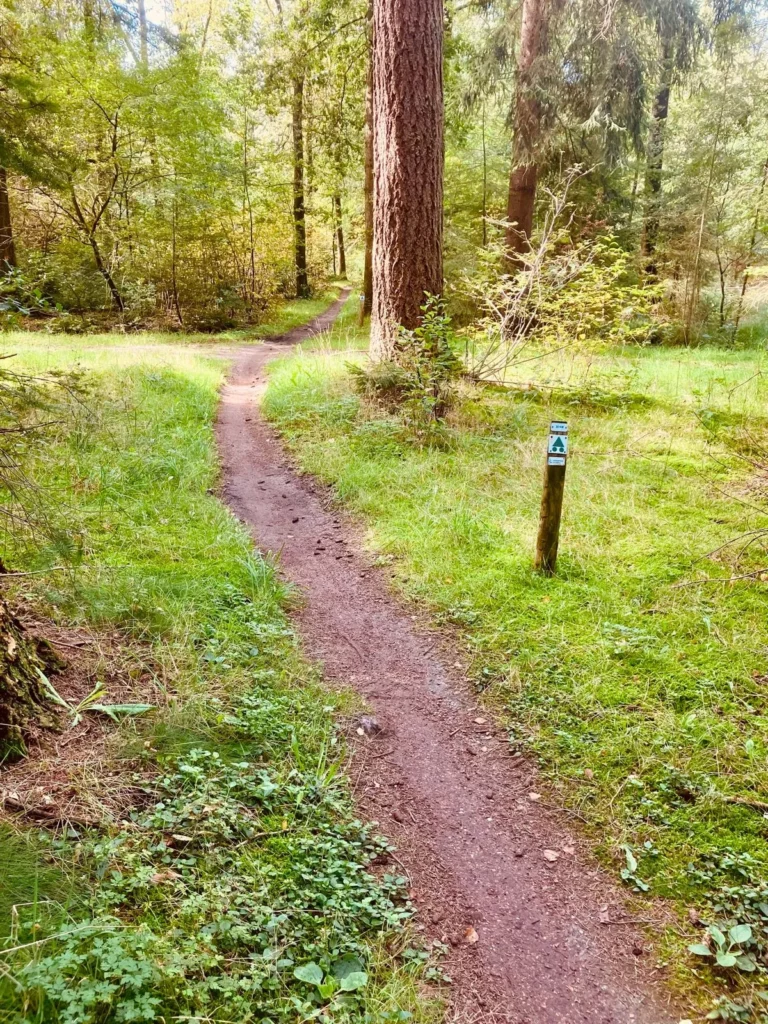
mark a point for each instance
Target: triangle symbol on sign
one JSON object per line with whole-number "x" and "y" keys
{"x": 558, "y": 446}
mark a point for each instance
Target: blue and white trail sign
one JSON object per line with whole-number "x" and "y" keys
{"x": 558, "y": 444}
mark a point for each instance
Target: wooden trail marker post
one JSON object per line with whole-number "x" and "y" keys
{"x": 552, "y": 498}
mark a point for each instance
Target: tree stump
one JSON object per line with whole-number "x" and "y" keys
{"x": 24, "y": 660}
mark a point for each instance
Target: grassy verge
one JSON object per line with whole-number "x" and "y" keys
{"x": 281, "y": 318}
{"x": 237, "y": 886}
{"x": 644, "y": 701}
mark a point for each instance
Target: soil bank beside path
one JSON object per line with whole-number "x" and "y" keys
{"x": 538, "y": 933}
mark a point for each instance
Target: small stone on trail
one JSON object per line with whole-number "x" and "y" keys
{"x": 568, "y": 849}
{"x": 588, "y": 773}
{"x": 519, "y": 852}
{"x": 369, "y": 725}
{"x": 471, "y": 936}
{"x": 479, "y": 721}
{"x": 533, "y": 797}
{"x": 551, "y": 856}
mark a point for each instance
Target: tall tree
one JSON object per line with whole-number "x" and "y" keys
{"x": 678, "y": 29}
{"x": 408, "y": 165}
{"x": 7, "y": 248}
{"x": 367, "y": 303}
{"x": 340, "y": 234}
{"x": 299, "y": 215}
{"x": 527, "y": 127}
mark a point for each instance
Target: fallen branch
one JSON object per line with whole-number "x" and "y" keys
{"x": 743, "y": 801}
{"x": 718, "y": 579}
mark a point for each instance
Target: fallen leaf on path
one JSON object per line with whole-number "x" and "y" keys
{"x": 605, "y": 917}
{"x": 588, "y": 773}
{"x": 568, "y": 849}
{"x": 471, "y": 936}
{"x": 551, "y": 856}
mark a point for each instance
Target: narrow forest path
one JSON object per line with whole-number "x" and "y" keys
{"x": 554, "y": 942}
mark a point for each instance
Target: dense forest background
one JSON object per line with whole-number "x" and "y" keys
{"x": 182, "y": 164}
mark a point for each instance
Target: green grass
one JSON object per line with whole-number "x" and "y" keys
{"x": 281, "y": 318}
{"x": 242, "y": 764}
{"x": 644, "y": 702}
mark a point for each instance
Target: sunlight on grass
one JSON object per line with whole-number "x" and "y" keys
{"x": 643, "y": 700}
{"x": 244, "y": 764}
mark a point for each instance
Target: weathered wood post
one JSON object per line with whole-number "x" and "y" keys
{"x": 552, "y": 498}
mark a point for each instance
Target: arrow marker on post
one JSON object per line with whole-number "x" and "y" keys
{"x": 552, "y": 498}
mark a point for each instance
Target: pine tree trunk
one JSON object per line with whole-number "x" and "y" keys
{"x": 23, "y": 701}
{"x": 340, "y": 235}
{"x": 654, "y": 165}
{"x": 7, "y": 248}
{"x": 367, "y": 303}
{"x": 408, "y": 165}
{"x": 534, "y": 33}
{"x": 299, "y": 220}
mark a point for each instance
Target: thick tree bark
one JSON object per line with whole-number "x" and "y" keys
{"x": 367, "y": 304}
{"x": 299, "y": 219}
{"x": 340, "y": 235}
{"x": 527, "y": 114}
{"x": 654, "y": 165}
{"x": 408, "y": 165}
{"x": 7, "y": 248}
{"x": 23, "y": 701}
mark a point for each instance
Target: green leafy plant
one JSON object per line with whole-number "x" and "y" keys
{"x": 629, "y": 872}
{"x": 91, "y": 703}
{"x": 727, "y": 951}
{"x": 420, "y": 380}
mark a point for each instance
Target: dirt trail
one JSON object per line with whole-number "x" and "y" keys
{"x": 555, "y": 944}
